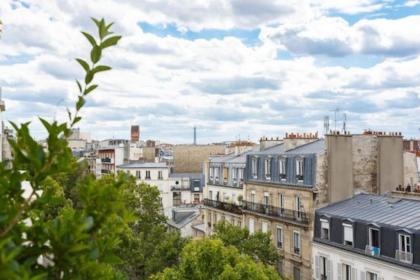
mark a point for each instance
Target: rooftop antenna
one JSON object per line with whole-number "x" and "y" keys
{"x": 195, "y": 135}
{"x": 336, "y": 111}
{"x": 344, "y": 122}
{"x": 326, "y": 124}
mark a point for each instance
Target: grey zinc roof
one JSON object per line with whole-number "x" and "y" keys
{"x": 395, "y": 212}
{"x": 276, "y": 149}
{"x": 143, "y": 165}
{"x": 186, "y": 175}
{"x": 315, "y": 147}
{"x": 221, "y": 158}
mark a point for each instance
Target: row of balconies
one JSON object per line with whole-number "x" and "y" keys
{"x": 283, "y": 214}
{"x": 225, "y": 182}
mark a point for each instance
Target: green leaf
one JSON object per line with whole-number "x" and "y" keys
{"x": 102, "y": 29}
{"x": 95, "y": 54}
{"x": 89, "y": 77}
{"x": 79, "y": 86}
{"x": 101, "y": 68}
{"x": 90, "y": 89}
{"x": 112, "y": 41}
{"x": 90, "y": 38}
{"x": 84, "y": 64}
{"x": 76, "y": 120}
{"x": 80, "y": 102}
{"x": 68, "y": 113}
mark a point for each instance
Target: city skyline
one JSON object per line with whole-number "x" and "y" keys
{"x": 229, "y": 68}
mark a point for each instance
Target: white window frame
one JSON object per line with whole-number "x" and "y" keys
{"x": 347, "y": 226}
{"x": 299, "y": 242}
{"x": 160, "y": 175}
{"x": 371, "y": 229}
{"x": 264, "y": 227}
{"x": 210, "y": 194}
{"x": 282, "y": 167}
{"x": 299, "y": 166}
{"x": 267, "y": 168}
{"x": 148, "y": 173}
{"x": 138, "y": 174}
{"x": 407, "y": 246}
{"x": 281, "y": 201}
{"x": 374, "y": 274}
{"x": 254, "y": 167}
{"x": 325, "y": 224}
{"x": 279, "y": 228}
{"x": 251, "y": 226}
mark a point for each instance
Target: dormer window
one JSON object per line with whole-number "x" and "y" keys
{"x": 282, "y": 169}
{"x": 404, "y": 253}
{"x": 267, "y": 168}
{"x": 211, "y": 173}
{"x": 254, "y": 167}
{"x": 373, "y": 248}
{"x": 325, "y": 229}
{"x": 299, "y": 169}
{"x": 348, "y": 234}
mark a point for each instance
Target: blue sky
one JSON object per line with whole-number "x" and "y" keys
{"x": 229, "y": 67}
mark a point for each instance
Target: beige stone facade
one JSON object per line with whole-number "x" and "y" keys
{"x": 191, "y": 158}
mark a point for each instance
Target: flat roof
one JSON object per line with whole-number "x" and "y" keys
{"x": 380, "y": 209}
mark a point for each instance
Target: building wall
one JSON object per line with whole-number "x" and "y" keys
{"x": 365, "y": 158}
{"x": 226, "y": 194}
{"x": 390, "y": 163}
{"x": 410, "y": 169}
{"x": 360, "y": 264}
{"x": 191, "y": 158}
{"x": 321, "y": 179}
{"x": 340, "y": 166}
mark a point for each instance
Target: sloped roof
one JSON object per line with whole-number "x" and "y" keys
{"x": 315, "y": 147}
{"x": 143, "y": 165}
{"x": 396, "y": 212}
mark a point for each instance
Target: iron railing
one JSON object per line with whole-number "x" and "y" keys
{"x": 225, "y": 206}
{"x": 403, "y": 256}
{"x": 281, "y": 213}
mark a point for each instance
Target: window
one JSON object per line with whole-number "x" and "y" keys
{"x": 253, "y": 206}
{"x": 216, "y": 174}
{"x": 282, "y": 169}
{"x": 323, "y": 268}
{"x": 296, "y": 273}
{"x": 299, "y": 169}
{"x": 138, "y": 174}
{"x": 251, "y": 226}
{"x": 279, "y": 237}
{"x": 225, "y": 175}
{"x": 176, "y": 198}
{"x": 234, "y": 175}
{"x": 325, "y": 229}
{"x": 296, "y": 242}
{"x": 214, "y": 218}
{"x": 281, "y": 203}
{"x": 264, "y": 227}
{"x": 371, "y": 276}
{"x": 211, "y": 195}
{"x": 196, "y": 198}
{"x": 211, "y": 171}
{"x": 160, "y": 177}
{"x": 266, "y": 202}
{"x": 298, "y": 207}
{"x": 241, "y": 175}
{"x": 267, "y": 168}
{"x": 347, "y": 273}
{"x": 374, "y": 248}
{"x": 404, "y": 246}
{"x": 254, "y": 166}
{"x": 147, "y": 174}
{"x": 348, "y": 234}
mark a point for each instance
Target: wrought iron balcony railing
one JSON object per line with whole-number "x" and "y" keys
{"x": 225, "y": 206}
{"x": 403, "y": 256}
{"x": 281, "y": 213}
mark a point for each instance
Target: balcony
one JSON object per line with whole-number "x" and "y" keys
{"x": 280, "y": 213}
{"x": 107, "y": 160}
{"x": 180, "y": 188}
{"x": 225, "y": 206}
{"x": 372, "y": 251}
{"x": 403, "y": 256}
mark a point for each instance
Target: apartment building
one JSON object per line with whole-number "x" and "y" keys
{"x": 109, "y": 159}
{"x": 368, "y": 237}
{"x": 280, "y": 186}
{"x": 176, "y": 189}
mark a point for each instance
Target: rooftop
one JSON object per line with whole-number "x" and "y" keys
{"x": 315, "y": 147}
{"x": 379, "y": 209}
{"x": 144, "y": 165}
{"x": 276, "y": 149}
{"x": 186, "y": 175}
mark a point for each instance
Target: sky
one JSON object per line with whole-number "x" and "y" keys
{"x": 237, "y": 69}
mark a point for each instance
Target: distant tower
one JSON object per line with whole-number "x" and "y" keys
{"x": 135, "y": 133}
{"x": 195, "y": 135}
{"x": 344, "y": 122}
{"x": 326, "y": 124}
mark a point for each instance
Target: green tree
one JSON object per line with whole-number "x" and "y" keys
{"x": 148, "y": 247}
{"x": 210, "y": 259}
{"x": 44, "y": 235}
{"x": 257, "y": 245}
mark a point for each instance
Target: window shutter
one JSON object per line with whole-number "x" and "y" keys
{"x": 317, "y": 270}
{"x": 353, "y": 273}
{"x": 329, "y": 269}
{"x": 339, "y": 268}
{"x": 362, "y": 275}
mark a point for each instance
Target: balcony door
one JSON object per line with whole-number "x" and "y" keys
{"x": 374, "y": 237}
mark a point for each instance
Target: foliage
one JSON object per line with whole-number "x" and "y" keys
{"x": 43, "y": 234}
{"x": 257, "y": 245}
{"x": 210, "y": 259}
{"x": 148, "y": 247}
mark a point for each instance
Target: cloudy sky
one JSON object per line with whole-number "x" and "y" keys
{"x": 238, "y": 68}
